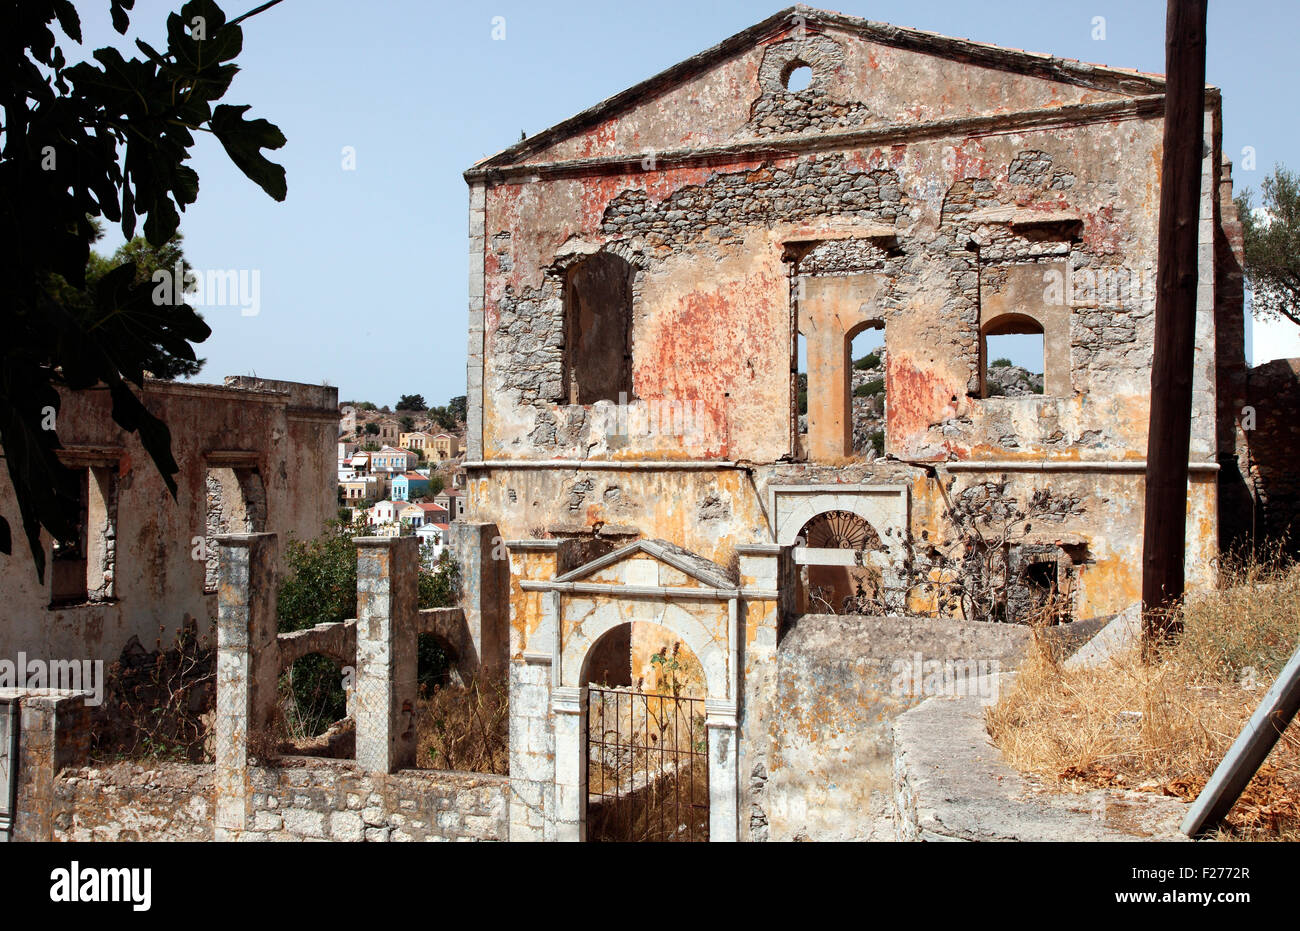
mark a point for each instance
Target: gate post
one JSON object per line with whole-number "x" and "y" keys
{"x": 248, "y": 667}
{"x": 569, "y": 707}
{"x": 386, "y": 684}
{"x": 724, "y": 781}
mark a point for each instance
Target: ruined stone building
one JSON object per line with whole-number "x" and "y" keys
{"x": 642, "y": 278}
{"x": 254, "y": 455}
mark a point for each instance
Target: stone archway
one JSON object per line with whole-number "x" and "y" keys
{"x": 718, "y": 665}
{"x": 837, "y": 574}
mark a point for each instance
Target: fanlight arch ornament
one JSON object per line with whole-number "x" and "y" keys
{"x": 839, "y": 530}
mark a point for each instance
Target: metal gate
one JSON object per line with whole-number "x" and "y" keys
{"x": 8, "y": 765}
{"x": 647, "y": 767}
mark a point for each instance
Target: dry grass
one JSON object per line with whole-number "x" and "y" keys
{"x": 1164, "y": 727}
{"x": 465, "y": 728}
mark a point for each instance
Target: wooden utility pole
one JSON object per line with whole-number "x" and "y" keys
{"x": 1177, "y": 276}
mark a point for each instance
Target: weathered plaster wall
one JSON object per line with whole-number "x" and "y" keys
{"x": 860, "y": 79}
{"x": 283, "y": 430}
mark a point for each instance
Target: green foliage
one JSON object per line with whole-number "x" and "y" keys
{"x": 443, "y": 419}
{"x": 320, "y": 586}
{"x": 436, "y": 484}
{"x": 320, "y": 583}
{"x": 1272, "y": 245}
{"x": 365, "y": 406}
{"x": 803, "y": 392}
{"x": 870, "y": 389}
{"x": 457, "y": 408}
{"x": 877, "y": 440}
{"x": 439, "y": 587}
{"x": 372, "y": 429}
{"x": 147, "y": 260}
{"x": 407, "y": 423}
{"x": 107, "y": 139}
{"x": 1000, "y": 364}
{"x": 370, "y": 446}
{"x": 411, "y": 402}
{"x": 870, "y": 361}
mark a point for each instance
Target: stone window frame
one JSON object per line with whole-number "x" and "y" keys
{"x": 559, "y": 272}
{"x": 98, "y": 470}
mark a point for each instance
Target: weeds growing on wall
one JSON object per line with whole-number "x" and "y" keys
{"x": 971, "y": 576}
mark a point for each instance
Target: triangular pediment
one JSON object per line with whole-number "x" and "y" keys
{"x": 652, "y": 563}
{"x": 864, "y": 75}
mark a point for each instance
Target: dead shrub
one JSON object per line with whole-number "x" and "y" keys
{"x": 464, "y": 727}
{"x": 1164, "y": 726}
{"x": 159, "y": 704}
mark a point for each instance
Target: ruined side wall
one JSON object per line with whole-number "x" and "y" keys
{"x": 1267, "y": 455}
{"x": 158, "y": 584}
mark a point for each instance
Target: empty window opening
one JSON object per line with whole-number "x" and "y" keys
{"x": 798, "y": 77}
{"x": 1013, "y": 354}
{"x": 867, "y": 389}
{"x": 598, "y": 330}
{"x": 236, "y": 503}
{"x": 83, "y": 565}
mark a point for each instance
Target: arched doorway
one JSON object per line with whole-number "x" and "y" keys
{"x": 646, "y": 755}
{"x": 838, "y": 578}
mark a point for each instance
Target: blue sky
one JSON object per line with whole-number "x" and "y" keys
{"x": 362, "y": 273}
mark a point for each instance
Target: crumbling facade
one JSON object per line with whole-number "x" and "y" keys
{"x": 642, "y": 277}
{"x": 254, "y": 455}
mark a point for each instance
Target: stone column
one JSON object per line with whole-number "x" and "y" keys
{"x": 724, "y": 796}
{"x": 248, "y": 666}
{"x": 53, "y": 732}
{"x": 569, "y": 707}
{"x": 386, "y": 687}
{"x": 830, "y": 311}
{"x": 485, "y": 583}
{"x": 769, "y": 579}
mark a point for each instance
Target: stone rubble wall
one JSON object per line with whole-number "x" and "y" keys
{"x": 301, "y": 799}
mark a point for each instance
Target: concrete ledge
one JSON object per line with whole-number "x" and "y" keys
{"x": 952, "y": 784}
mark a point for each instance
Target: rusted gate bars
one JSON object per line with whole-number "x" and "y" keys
{"x": 647, "y": 767}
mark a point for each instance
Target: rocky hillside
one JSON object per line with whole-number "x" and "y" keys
{"x": 1012, "y": 381}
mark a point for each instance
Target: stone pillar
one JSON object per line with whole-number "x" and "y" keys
{"x": 724, "y": 795}
{"x": 53, "y": 732}
{"x": 248, "y": 667}
{"x": 569, "y": 708}
{"x": 769, "y": 580}
{"x": 533, "y": 625}
{"x": 485, "y": 583}
{"x": 386, "y": 687}
{"x": 474, "y": 357}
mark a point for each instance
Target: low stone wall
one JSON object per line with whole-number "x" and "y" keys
{"x": 300, "y": 799}
{"x": 951, "y": 784}
{"x": 305, "y": 799}
{"x": 131, "y": 802}
{"x": 841, "y": 682}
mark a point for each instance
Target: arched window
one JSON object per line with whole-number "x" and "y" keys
{"x": 1012, "y": 351}
{"x": 598, "y": 330}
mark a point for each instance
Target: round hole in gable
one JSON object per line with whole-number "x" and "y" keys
{"x": 798, "y": 78}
